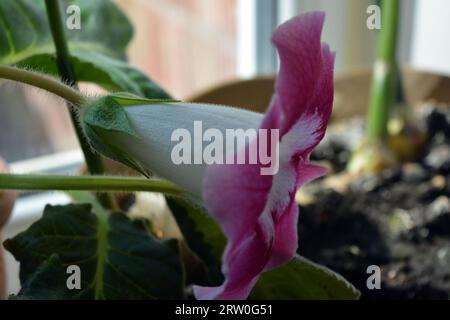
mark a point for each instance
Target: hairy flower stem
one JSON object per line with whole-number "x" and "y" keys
{"x": 87, "y": 183}
{"x": 93, "y": 160}
{"x": 43, "y": 82}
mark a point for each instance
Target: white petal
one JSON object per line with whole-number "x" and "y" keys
{"x": 156, "y": 123}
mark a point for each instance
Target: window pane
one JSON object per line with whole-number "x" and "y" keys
{"x": 184, "y": 45}
{"x": 32, "y": 123}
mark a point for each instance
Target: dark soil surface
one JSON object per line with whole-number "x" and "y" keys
{"x": 399, "y": 220}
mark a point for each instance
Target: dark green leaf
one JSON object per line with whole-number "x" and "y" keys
{"x": 118, "y": 257}
{"x": 128, "y": 99}
{"x": 107, "y": 114}
{"x": 201, "y": 233}
{"x": 24, "y": 26}
{"x": 97, "y": 49}
{"x": 303, "y": 280}
{"x": 299, "y": 279}
{"x": 45, "y": 282}
{"x": 98, "y": 68}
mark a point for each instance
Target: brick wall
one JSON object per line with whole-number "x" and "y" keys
{"x": 185, "y": 45}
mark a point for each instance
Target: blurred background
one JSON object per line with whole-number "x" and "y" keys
{"x": 190, "y": 46}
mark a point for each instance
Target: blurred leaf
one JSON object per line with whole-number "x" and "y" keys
{"x": 25, "y": 30}
{"x": 97, "y": 49}
{"x": 129, "y": 99}
{"x": 107, "y": 114}
{"x": 107, "y": 72}
{"x": 299, "y": 279}
{"x": 202, "y": 234}
{"x": 86, "y": 197}
{"x": 45, "y": 282}
{"x": 302, "y": 279}
{"x": 118, "y": 258}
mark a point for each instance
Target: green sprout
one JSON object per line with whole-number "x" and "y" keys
{"x": 390, "y": 135}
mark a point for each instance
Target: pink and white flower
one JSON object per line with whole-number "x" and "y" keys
{"x": 256, "y": 212}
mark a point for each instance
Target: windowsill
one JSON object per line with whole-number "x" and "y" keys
{"x": 27, "y": 210}
{"x": 30, "y": 205}
{"x": 66, "y": 162}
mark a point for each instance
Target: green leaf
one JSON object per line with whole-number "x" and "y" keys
{"x": 98, "y": 68}
{"x": 114, "y": 75}
{"x": 25, "y": 29}
{"x": 118, "y": 257}
{"x": 107, "y": 114}
{"x": 303, "y": 279}
{"x": 86, "y": 197}
{"x": 97, "y": 49}
{"x": 128, "y": 99}
{"x": 299, "y": 279}
{"x": 201, "y": 233}
{"x": 45, "y": 282}
{"x": 99, "y": 141}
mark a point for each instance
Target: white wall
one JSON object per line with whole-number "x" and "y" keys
{"x": 344, "y": 30}
{"x": 424, "y": 34}
{"x": 431, "y": 36}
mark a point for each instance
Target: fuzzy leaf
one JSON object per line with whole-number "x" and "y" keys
{"x": 106, "y": 114}
{"x": 299, "y": 279}
{"x": 128, "y": 99}
{"x": 201, "y": 233}
{"x": 97, "y": 49}
{"x": 302, "y": 279}
{"x": 45, "y": 282}
{"x": 118, "y": 257}
{"x": 25, "y": 29}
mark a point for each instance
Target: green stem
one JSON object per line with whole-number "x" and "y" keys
{"x": 385, "y": 72}
{"x": 43, "y": 82}
{"x": 93, "y": 160}
{"x": 86, "y": 183}
{"x": 59, "y": 38}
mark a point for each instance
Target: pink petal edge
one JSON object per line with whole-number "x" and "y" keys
{"x": 258, "y": 213}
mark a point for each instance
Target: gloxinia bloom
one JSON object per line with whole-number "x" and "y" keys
{"x": 257, "y": 212}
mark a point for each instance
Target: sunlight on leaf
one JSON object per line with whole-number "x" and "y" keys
{"x": 303, "y": 279}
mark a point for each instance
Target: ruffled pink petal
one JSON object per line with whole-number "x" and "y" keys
{"x": 258, "y": 213}
{"x": 304, "y": 68}
{"x": 285, "y": 239}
